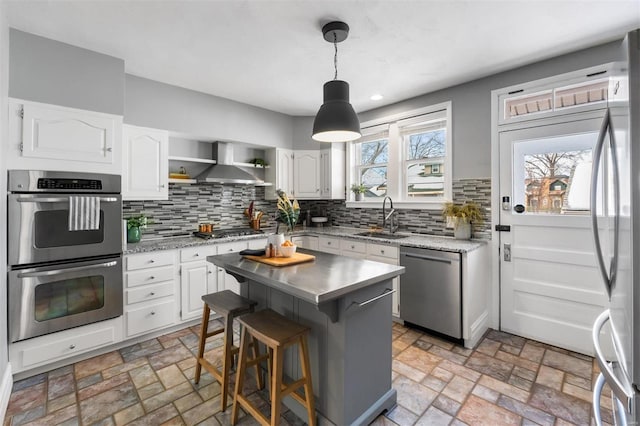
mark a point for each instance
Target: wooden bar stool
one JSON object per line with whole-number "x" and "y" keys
{"x": 229, "y": 305}
{"x": 277, "y": 333}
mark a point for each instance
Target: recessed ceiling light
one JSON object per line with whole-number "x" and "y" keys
{"x": 376, "y": 97}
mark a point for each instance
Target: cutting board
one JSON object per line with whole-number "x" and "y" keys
{"x": 283, "y": 261}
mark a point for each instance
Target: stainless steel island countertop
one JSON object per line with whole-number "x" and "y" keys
{"x": 327, "y": 278}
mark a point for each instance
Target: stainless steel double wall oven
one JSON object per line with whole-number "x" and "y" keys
{"x": 64, "y": 251}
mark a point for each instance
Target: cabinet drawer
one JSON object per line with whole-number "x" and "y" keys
{"x": 257, "y": 244}
{"x": 354, "y": 246}
{"x": 151, "y": 292}
{"x": 149, "y": 276}
{"x": 328, "y": 244}
{"x": 148, "y": 260}
{"x": 382, "y": 250}
{"x": 150, "y": 317}
{"x": 197, "y": 253}
{"x": 232, "y": 247}
{"x": 69, "y": 346}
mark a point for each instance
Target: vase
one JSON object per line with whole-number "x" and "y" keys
{"x": 358, "y": 196}
{"x": 133, "y": 234}
{"x": 462, "y": 230}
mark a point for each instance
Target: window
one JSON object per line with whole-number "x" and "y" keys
{"x": 407, "y": 158}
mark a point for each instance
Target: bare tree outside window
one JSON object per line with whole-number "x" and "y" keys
{"x": 549, "y": 176}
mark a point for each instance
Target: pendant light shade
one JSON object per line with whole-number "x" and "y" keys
{"x": 336, "y": 121}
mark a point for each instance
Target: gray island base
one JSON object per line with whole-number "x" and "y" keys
{"x": 347, "y": 304}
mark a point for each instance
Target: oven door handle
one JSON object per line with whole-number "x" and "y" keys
{"x": 62, "y": 271}
{"x": 60, "y": 200}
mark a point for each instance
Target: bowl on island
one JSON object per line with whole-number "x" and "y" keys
{"x": 287, "y": 251}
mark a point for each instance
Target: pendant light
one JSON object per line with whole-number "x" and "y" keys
{"x": 336, "y": 121}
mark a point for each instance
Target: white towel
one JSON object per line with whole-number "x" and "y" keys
{"x": 84, "y": 213}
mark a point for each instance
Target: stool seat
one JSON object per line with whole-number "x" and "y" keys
{"x": 273, "y": 329}
{"x": 229, "y": 305}
{"x": 227, "y": 302}
{"x": 277, "y": 333}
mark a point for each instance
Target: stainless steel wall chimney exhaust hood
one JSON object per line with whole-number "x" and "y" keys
{"x": 224, "y": 171}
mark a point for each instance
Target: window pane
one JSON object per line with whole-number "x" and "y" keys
{"x": 425, "y": 179}
{"x": 374, "y": 152}
{"x": 375, "y": 179}
{"x": 558, "y": 182}
{"x": 426, "y": 144}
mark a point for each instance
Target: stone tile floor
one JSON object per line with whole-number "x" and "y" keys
{"x": 506, "y": 380}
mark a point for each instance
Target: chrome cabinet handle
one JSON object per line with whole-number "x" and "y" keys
{"x": 621, "y": 391}
{"x": 152, "y": 261}
{"x": 152, "y": 277}
{"x": 381, "y": 251}
{"x": 62, "y": 271}
{"x": 196, "y": 255}
{"x": 109, "y": 149}
{"x": 153, "y": 312}
{"x": 152, "y": 294}
{"x": 597, "y": 392}
{"x": 387, "y": 292}
{"x": 72, "y": 346}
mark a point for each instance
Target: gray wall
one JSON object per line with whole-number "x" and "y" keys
{"x": 153, "y": 104}
{"x": 52, "y": 72}
{"x": 471, "y": 107}
{"x": 4, "y": 70}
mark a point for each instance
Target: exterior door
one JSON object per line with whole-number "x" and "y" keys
{"x": 550, "y": 287}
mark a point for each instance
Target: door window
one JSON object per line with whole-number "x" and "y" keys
{"x": 553, "y": 175}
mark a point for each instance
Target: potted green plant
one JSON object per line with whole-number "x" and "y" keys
{"x": 461, "y": 218}
{"x": 134, "y": 225}
{"x": 358, "y": 190}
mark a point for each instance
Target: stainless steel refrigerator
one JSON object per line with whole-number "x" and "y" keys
{"x": 615, "y": 214}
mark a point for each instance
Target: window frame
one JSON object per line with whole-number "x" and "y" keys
{"x": 397, "y": 160}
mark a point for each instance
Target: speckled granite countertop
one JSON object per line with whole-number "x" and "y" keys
{"x": 411, "y": 240}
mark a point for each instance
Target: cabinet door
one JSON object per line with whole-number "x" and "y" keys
{"x": 196, "y": 280}
{"x": 145, "y": 171}
{"x": 280, "y": 172}
{"x": 332, "y": 176}
{"x": 226, "y": 281}
{"x": 306, "y": 174}
{"x": 51, "y": 137}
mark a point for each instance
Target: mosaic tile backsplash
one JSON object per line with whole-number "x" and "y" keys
{"x": 223, "y": 205}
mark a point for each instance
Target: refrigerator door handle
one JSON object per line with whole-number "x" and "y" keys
{"x": 616, "y": 204}
{"x": 597, "y": 392}
{"x": 597, "y": 157}
{"x": 621, "y": 391}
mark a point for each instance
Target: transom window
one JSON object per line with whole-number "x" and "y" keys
{"x": 408, "y": 159}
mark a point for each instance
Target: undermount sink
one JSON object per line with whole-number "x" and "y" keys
{"x": 383, "y": 235}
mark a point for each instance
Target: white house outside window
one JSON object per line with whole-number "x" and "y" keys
{"x": 408, "y": 159}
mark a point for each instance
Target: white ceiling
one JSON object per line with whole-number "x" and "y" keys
{"x": 272, "y": 54}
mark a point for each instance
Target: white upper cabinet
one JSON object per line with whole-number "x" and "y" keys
{"x": 306, "y": 174}
{"x": 145, "y": 164}
{"x": 52, "y": 137}
{"x": 332, "y": 162}
{"x": 280, "y": 172}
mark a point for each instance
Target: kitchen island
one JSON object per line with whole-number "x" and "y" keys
{"x": 346, "y": 303}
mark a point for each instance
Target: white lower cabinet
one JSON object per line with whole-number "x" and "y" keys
{"x": 329, "y": 244}
{"x": 391, "y": 255}
{"x": 48, "y": 349}
{"x": 229, "y": 282}
{"x": 197, "y": 278}
{"x": 306, "y": 241}
{"x": 149, "y": 291}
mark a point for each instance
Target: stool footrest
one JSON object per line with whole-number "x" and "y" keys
{"x": 251, "y": 409}
{"x": 215, "y": 332}
{"x": 287, "y": 389}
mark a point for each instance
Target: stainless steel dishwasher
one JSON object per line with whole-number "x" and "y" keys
{"x": 431, "y": 290}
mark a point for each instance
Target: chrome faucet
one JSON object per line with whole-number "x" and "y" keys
{"x": 389, "y": 217}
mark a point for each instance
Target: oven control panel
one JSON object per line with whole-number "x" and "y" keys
{"x": 48, "y": 183}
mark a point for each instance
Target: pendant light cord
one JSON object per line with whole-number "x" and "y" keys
{"x": 335, "y": 56}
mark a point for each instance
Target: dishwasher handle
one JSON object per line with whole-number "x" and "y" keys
{"x": 425, "y": 257}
